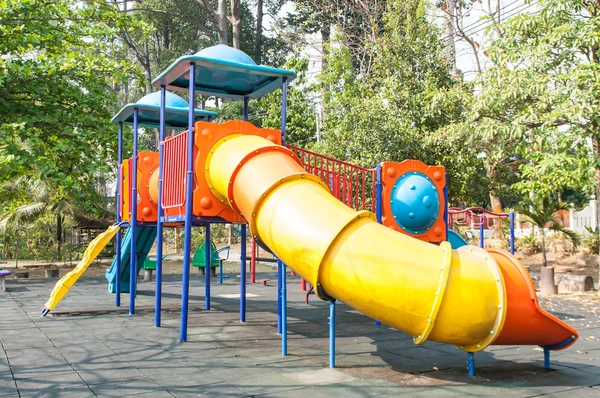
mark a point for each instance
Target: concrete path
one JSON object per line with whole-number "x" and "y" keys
{"x": 87, "y": 347}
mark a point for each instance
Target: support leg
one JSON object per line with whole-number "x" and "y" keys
{"x": 118, "y": 271}
{"x": 220, "y": 272}
{"x": 332, "y": 334}
{"x": 546, "y": 358}
{"x": 279, "y": 269}
{"x": 283, "y": 311}
{"x": 189, "y": 189}
{"x": 243, "y": 274}
{"x": 471, "y": 363}
{"x": 253, "y": 263}
{"x": 208, "y": 263}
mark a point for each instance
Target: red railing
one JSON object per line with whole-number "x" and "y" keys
{"x": 351, "y": 184}
{"x": 175, "y": 155}
{"x": 473, "y": 217}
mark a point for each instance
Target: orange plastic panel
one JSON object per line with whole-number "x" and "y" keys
{"x": 125, "y": 190}
{"x": 390, "y": 173}
{"x": 147, "y": 208}
{"x": 526, "y": 323}
{"x": 206, "y": 204}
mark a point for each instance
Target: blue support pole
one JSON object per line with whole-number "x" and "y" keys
{"x": 279, "y": 286}
{"x": 446, "y": 215}
{"x": 220, "y": 272}
{"x": 546, "y": 358}
{"x": 471, "y": 363}
{"x": 159, "y": 223}
{"x": 207, "y": 269}
{"x": 119, "y": 204}
{"x": 283, "y": 310}
{"x": 279, "y": 263}
{"x": 332, "y": 334}
{"x": 243, "y": 274}
{"x": 511, "y": 217}
{"x": 481, "y": 235}
{"x": 378, "y": 203}
{"x": 189, "y": 188}
{"x": 245, "y": 109}
{"x": 283, "y": 109}
{"x": 133, "y": 218}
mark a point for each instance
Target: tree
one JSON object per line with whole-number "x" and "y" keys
{"x": 18, "y": 211}
{"x": 260, "y": 11}
{"x": 543, "y": 212}
{"x": 265, "y": 112}
{"x": 385, "y": 114}
{"x": 538, "y": 105}
{"x": 219, "y": 18}
{"x": 236, "y": 23}
{"x": 57, "y": 103}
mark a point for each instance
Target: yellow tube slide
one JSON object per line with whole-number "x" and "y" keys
{"x": 431, "y": 292}
{"x": 66, "y": 282}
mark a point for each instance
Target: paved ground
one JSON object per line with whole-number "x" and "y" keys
{"x": 96, "y": 350}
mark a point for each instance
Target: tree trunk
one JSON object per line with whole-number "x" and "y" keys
{"x": 596, "y": 146}
{"x": 544, "y": 259}
{"x": 258, "y": 38}
{"x": 449, "y": 8}
{"x": 59, "y": 235}
{"x": 222, "y": 28}
{"x": 236, "y": 23}
{"x": 17, "y": 250}
{"x": 325, "y": 35}
{"x": 596, "y": 153}
{"x": 495, "y": 202}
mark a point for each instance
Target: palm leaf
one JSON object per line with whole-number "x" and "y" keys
{"x": 572, "y": 235}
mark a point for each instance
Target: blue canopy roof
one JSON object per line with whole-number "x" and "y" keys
{"x": 224, "y": 72}
{"x": 176, "y": 112}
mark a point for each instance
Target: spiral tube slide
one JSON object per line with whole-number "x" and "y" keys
{"x": 430, "y": 292}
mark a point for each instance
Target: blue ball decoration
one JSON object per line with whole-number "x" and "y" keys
{"x": 415, "y": 203}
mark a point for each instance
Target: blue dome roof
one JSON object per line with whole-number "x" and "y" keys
{"x": 171, "y": 100}
{"x": 225, "y": 53}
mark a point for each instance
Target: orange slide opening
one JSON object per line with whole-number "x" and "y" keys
{"x": 526, "y": 323}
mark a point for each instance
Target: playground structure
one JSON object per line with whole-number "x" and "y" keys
{"x": 478, "y": 218}
{"x": 376, "y": 239}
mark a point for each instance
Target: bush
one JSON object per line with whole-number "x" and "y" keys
{"x": 591, "y": 241}
{"x": 562, "y": 243}
{"x": 529, "y": 244}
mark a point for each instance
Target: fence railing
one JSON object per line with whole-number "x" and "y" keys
{"x": 351, "y": 184}
{"x": 175, "y": 156}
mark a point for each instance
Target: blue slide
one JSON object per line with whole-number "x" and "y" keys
{"x": 145, "y": 237}
{"x": 456, "y": 240}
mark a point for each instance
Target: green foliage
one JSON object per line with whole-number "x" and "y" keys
{"x": 591, "y": 241}
{"x": 529, "y": 244}
{"x": 544, "y": 212}
{"x": 538, "y": 104}
{"x": 396, "y": 112}
{"x": 57, "y": 103}
{"x": 265, "y": 112}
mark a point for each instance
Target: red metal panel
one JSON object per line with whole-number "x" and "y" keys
{"x": 351, "y": 184}
{"x": 175, "y": 152}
